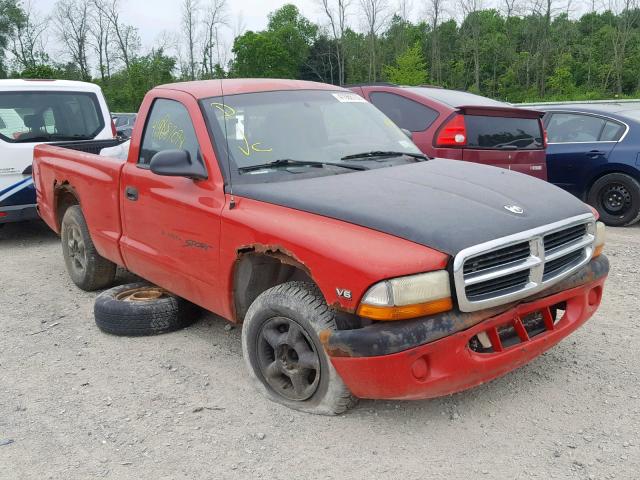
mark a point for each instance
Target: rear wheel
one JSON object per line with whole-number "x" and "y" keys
{"x": 283, "y": 353}
{"x": 616, "y": 196}
{"x": 85, "y": 266}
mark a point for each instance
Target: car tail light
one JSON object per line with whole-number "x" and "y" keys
{"x": 4, "y": 214}
{"x": 453, "y": 133}
{"x": 545, "y": 137}
{"x": 113, "y": 129}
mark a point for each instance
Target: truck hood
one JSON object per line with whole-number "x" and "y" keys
{"x": 448, "y": 205}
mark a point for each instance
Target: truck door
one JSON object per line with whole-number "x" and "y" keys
{"x": 171, "y": 225}
{"x": 578, "y": 144}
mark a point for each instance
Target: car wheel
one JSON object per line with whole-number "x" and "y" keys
{"x": 616, "y": 196}
{"x": 85, "y": 266}
{"x": 138, "y": 309}
{"x": 283, "y": 353}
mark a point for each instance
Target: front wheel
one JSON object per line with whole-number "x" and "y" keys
{"x": 616, "y": 196}
{"x": 85, "y": 266}
{"x": 283, "y": 353}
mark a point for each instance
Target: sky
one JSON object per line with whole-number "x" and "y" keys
{"x": 152, "y": 17}
{"x": 157, "y": 16}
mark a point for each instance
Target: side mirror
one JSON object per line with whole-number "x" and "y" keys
{"x": 177, "y": 163}
{"x": 407, "y": 133}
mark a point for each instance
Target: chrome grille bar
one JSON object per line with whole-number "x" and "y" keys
{"x": 482, "y": 281}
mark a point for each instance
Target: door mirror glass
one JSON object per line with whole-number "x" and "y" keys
{"x": 177, "y": 163}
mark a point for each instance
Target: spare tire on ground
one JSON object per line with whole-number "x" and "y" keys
{"x": 138, "y": 309}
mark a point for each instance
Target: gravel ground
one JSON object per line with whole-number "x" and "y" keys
{"x": 79, "y": 404}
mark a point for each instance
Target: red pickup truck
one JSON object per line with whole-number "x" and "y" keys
{"x": 358, "y": 267}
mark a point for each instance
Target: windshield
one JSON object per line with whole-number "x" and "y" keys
{"x": 302, "y": 125}
{"x": 49, "y": 116}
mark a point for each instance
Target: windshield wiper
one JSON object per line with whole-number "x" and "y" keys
{"x": 381, "y": 153}
{"x": 288, "y": 162}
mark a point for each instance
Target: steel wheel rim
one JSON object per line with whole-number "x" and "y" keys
{"x": 76, "y": 249}
{"x": 288, "y": 359}
{"x": 141, "y": 294}
{"x": 615, "y": 199}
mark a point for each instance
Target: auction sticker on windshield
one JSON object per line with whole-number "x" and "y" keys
{"x": 346, "y": 97}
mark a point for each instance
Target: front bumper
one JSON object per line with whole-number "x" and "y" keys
{"x": 394, "y": 361}
{"x": 18, "y": 213}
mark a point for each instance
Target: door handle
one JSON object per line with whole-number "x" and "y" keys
{"x": 131, "y": 193}
{"x": 595, "y": 153}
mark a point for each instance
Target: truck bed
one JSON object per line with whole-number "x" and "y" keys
{"x": 73, "y": 170}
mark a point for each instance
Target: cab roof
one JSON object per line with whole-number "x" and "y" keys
{"x": 456, "y": 98}
{"x": 215, "y": 88}
{"x": 620, "y": 110}
{"x": 20, "y": 84}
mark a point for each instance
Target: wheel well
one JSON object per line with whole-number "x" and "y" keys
{"x": 64, "y": 198}
{"x": 256, "y": 272}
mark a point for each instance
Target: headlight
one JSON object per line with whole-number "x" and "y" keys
{"x": 598, "y": 245}
{"x": 408, "y": 297}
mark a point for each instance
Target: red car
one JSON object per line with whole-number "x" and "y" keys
{"x": 463, "y": 126}
{"x": 357, "y": 267}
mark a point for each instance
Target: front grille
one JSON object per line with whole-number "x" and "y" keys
{"x": 554, "y": 267}
{"x": 558, "y": 239}
{"x": 515, "y": 267}
{"x": 559, "y": 253}
{"x": 502, "y": 256}
{"x": 497, "y": 286}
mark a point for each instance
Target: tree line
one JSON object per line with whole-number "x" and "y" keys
{"x": 520, "y": 50}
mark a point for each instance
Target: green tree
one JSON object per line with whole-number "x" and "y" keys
{"x": 561, "y": 83}
{"x": 355, "y": 50}
{"x": 125, "y": 90}
{"x": 410, "y": 68}
{"x": 11, "y": 16}
{"x": 43, "y": 72}
{"x": 279, "y": 51}
{"x": 261, "y": 54}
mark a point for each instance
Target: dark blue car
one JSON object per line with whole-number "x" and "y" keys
{"x": 594, "y": 153}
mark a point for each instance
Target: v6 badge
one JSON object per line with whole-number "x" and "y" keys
{"x": 344, "y": 293}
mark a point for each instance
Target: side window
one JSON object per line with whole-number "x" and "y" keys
{"x": 169, "y": 127}
{"x": 574, "y": 127}
{"x": 612, "y": 132}
{"x": 49, "y": 121}
{"x": 404, "y": 112}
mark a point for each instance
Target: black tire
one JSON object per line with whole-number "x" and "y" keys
{"x": 130, "y": 310}
{"x": 616, "y": 196}
{"x": 291, "y": 316}
{"x": 85, "y": 266}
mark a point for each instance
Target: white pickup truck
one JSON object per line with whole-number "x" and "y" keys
{"x": 45, "y": 111}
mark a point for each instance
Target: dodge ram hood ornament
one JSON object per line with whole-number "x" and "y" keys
{"x": 515, "y": 209}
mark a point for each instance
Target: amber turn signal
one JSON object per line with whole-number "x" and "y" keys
{"x": 598, "y": 251}
{"x": 389, "y": 313}
{"x": 600, "y": 235}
